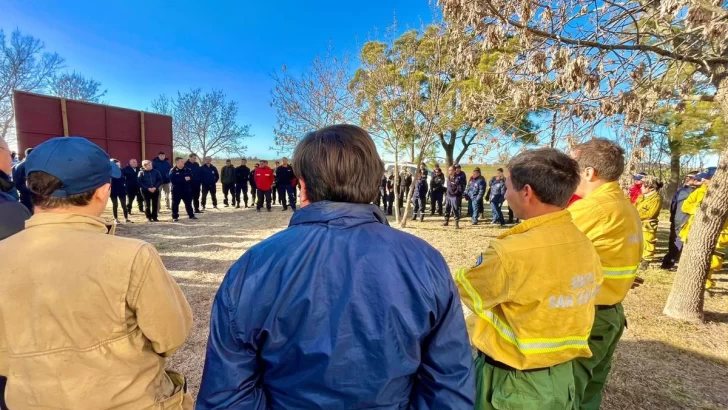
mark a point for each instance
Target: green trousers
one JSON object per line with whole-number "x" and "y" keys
{"x": 549, "y": 389}
{"x": 590, "y": 374}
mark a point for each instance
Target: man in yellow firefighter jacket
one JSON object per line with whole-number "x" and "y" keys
{"x": 613, "y": 225}
{"x": 648, "y": 205}
{"x": 690, "y": 207}
{"x": 533, "y": 307}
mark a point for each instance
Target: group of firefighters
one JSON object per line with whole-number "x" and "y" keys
{"x": 339, "y": 310}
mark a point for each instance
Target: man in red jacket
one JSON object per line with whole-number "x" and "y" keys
{"x": 264, "y": 179}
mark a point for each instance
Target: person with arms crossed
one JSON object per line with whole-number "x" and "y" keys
{"x": 130, "y": 173}
{"x": 264, "y": 180}
{"x": 161, "y": 164}
{"x": 612, "y": 223}
{"x": 533, "y": 307}
{"x": 149, "y": 182}
{"x": 228, "y": 183}
{"x": 208, "y": 178}
{"x": 242, "y": 177}
{"x": 193, "y": 165}
{"x": 284, "y": 181}
{"x": 475, "y": 191}
{"x": 331, "y": 330}
{"x": 89, "y": 323}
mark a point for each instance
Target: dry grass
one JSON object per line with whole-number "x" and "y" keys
{"x": 660, "y": 364}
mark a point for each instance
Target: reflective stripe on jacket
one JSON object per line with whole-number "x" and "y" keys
{"x": 89, "y": 322}
{"x": 613, "y": 225}
{"x": 533, "y": 307}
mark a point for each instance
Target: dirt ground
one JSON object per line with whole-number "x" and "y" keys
{"x": 660, "y": 364}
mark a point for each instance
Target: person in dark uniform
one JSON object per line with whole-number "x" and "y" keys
{"x": 130, "y": 173}
{"x": 391, "y": 192}
{"x": 227, "y": 175}
{"x": 181, "y": 180}
{"x": 437, "y": 190}
{"x": 149, "y": 181}
{"x": 420, "y": 195}
{"x": 406, "y": 183}
{"x": 274, "y": 189}
{"x": 242, "y": 177}
{"x": 382, "y": 197}
{"x": 462, "y": 180}
{"x": 19, "y": 178}
{"x": 497, "y": 197}
{"x": 195, "y": 185}
{"x": 253, "y": 185}
{"x": 118, "y": 195}
{"x": 454, "y": 198}
{"x": 208, "y": 178}
{"x": 284, "y": 181}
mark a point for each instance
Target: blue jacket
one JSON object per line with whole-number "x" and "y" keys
{"x": 149, "y": 179}
{"x": 163, "y": 167}
{"x": 307, "y": 320}
{"x": 209, "y": 175}
{"x": 454, "y": 188}
{"x": 497, "y": 189}
{"x": 420, "y": 189}
{"x": 677, "y": 216}
{"x": 476, "y": 189}
{"x": 194, "y": 167}
{"x": 118, "y": 187}
{"x": 130, "y": 175}
{"x": 19, "y": 177}
{"x": 462, "y": 180}
{"x": 177, "y": 178}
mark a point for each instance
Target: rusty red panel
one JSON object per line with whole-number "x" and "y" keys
{"x": 123, "y": 125}
{"x": 116, "y": 130}
{"x": 38, "y": 115}
{"x": 86, "y": 120}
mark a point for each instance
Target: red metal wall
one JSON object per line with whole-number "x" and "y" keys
{"x": 116, "y": 130}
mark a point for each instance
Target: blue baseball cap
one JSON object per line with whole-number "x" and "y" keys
{"x": 638, "y": 177}
{"x": 78, "y": 163}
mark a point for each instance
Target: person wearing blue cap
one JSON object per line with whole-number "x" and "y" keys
{"x": 93, "y": 316}
{"x": 149, "y": 182}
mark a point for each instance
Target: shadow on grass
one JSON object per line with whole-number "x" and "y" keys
{"x": 656, "y": 375}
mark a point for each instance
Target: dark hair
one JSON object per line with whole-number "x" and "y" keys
{"x": 339, "y": 163}
{"x": 192, "y": 155}
{"x": 28, "y": 151}
{"x": 227, "y": 160}
{"x": 42, "y": 185}
{"x": 499, "y": 169}
{"x": 606, "y": 157}
{"x": 177, "y": 159}
{"x": 552, "y": 175}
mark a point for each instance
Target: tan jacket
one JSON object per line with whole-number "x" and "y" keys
{"x": 87, "y": 318}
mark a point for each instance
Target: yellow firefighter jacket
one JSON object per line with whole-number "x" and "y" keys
{"x": 87, "y": 318}
{"x": 648, "y": 208}
{"x": 613, "y": 225}
{"x": 532, "y": 293}
{"x": 690, "y": 206}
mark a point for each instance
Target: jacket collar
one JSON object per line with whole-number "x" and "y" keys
{"x": 607, "y": 189}
{"x": 341, "y": 214}
{"x": 76, "y": 221}
{"x": 553, "y": 218}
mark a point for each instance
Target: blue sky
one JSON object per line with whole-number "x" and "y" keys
{"x": 140, "y": 49}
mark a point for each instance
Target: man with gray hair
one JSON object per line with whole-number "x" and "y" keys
{"x": 149, "y": 182}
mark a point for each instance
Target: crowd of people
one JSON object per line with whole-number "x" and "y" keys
{"x": 339, "y": 310}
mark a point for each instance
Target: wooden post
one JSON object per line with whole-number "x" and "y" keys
{"x": 64, "y": 115}
{"x": 144, "y": 139}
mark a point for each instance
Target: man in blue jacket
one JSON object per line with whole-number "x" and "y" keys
{"x": 348, "y": 312}
{"x": 497, "y": 197}
{"x": 19, "y": 178}
{"x": 149, "y": 182}
{"x": 130, "y": 172}
{"x": 208, "y": 178}
{"x": 195, "y": 185}
{"x": 420, "y": 195}
{"x": 284, "y": 182}
{"x": 475, "y": 192}
{"x": 454, "y": 197}
{"x": 181, "y": 178}
{"x": 162, "y": 165}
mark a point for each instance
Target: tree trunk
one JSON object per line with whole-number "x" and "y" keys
{"x": 674, "y": 182}
{"x": 449, "y": 148}
{"x": 687, "y": 295}
{"x": 553, "y": 129}
{"x": 407, "y": 206}
{"x": 396, "y": 185}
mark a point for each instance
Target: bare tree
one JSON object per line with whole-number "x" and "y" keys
{"x": 76, "y": 87}
{"x": 204, "y": 123}
{"x": 23, "y": 66}
{"x": 623, "y": 59}
{"x": 317, "y": 98}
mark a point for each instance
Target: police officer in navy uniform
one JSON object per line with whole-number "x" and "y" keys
{"x": 195, "y": 184}
{"x": 242, "y": 177}
{"x": 455, "y": 191}
{"x": 437, "y": 189}
{"x": 209, "y": 177}
{"x": 181, "y": 179}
